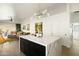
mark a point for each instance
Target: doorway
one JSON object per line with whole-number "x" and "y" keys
{"x": 18, "y": 27}
{"x": 76, "y": 31}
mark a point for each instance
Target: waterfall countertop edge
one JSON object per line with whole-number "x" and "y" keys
{"x": 45, "y": 40}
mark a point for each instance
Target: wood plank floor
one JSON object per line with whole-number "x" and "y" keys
{"x": 73, "y": 51}
{"x": 10, "y": 48}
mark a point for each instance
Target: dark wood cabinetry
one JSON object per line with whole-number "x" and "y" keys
{"x": 30, "y": 48}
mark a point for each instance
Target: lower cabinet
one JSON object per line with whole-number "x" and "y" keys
{"x": 31, "y": 49}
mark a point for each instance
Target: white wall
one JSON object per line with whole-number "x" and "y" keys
{"x": 59, "y": 14}
{"x": 74, "y": 17}
{"x": 7, "y": 26}
{"x": 57, "y": 24}
{"x": 6, "y": 10}
{"x": 60, "y": 24}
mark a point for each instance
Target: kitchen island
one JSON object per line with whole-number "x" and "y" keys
{"x": 40, "y": 46}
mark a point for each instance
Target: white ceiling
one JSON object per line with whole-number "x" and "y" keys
{"x": 22, "y": 11}
{"x": 26, "y": 10}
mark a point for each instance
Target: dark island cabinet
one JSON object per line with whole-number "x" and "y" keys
{"x": 30, "y": 48}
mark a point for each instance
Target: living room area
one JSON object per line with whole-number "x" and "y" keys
{"x": 9, "y": 39}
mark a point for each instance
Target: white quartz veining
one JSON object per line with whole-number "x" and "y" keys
{"x": 45, "y": 40}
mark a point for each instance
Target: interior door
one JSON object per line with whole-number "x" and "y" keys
{"x": 76, "y": 31}
{"x": 18, "y": 27}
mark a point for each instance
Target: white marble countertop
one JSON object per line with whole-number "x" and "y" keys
{"x": 45, "y": 40}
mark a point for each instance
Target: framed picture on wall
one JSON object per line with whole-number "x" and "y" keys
{"x": 28, "y": 27}
{"x": 24, "y": 27}
{"x": 39, "y": 28}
